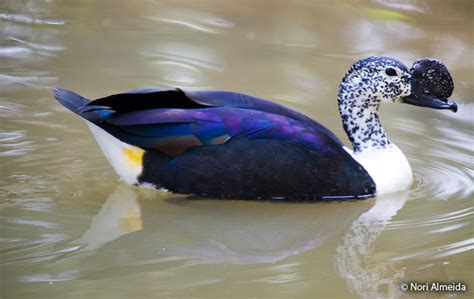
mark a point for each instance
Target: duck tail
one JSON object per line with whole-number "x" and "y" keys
{"x": 80, "y": 106}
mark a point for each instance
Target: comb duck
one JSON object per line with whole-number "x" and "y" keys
{"x": 231, "y": 145}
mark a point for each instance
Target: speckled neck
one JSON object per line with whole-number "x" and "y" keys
{"x": 360, "y": 117}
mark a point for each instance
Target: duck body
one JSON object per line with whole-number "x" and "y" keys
{"x": 231, "y": 145}
{"x": 220, "y": 144}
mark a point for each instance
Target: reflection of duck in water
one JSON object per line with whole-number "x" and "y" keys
{"x": 366, "y": 273}
{"x": 120, "y": 215}
{"x": 224, "y": 144}
{"x": 236, "y": 232}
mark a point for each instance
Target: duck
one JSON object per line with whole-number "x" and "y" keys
{"x": 222, "y": 144}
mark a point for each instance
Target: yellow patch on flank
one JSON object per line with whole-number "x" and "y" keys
{"x": 134, "y": 155}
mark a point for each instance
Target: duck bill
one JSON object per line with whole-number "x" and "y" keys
{"x": 430, "y": 102}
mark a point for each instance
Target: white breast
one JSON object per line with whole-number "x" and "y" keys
{"x": 388, "y": 167}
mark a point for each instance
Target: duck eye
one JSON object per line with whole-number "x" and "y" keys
{"x": 390, "y": 71}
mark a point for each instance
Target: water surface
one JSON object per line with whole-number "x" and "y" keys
{"x": 71, "y": 229}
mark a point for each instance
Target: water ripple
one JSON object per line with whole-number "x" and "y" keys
{"x": 441, "y": 180}
{"x": 441, "y": 159}
{"x": 439, "y": 219}
{"x": 188, "y": 59}
{"x": 15, "y": 52}
{"x": 186, "y": 24}
{"x": 32, "y": 222}
{"x": 179, "y": 73}
{"x": 13, "y": 143}
{"x": 47, "y": 277}
{"x": 194, "y": 20}
{"x": 39, "y": 81}
{"x": 28, "y": 19}
{"x": 37, "y": 46}
{"x": 10, "y": 109}
{"x": 439, "y": 251}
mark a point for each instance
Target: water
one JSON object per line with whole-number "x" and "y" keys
{"x": 71, "y": 229}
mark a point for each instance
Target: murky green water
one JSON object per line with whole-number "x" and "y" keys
{"x": 71, "y": 229}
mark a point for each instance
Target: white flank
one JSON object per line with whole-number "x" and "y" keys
{"x": 388, "y": 167}
{"x": 115, "y": 152}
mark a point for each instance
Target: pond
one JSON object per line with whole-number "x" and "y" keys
{"x": 71, "y": 229}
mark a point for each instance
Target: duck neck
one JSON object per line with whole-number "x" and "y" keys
{"x": 360, "y": 118}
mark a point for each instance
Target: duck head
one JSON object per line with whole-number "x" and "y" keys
{"x": 376, "y": 80}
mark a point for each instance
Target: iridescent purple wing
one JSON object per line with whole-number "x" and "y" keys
{"x": 173, "y": 131}
{"x": 146, "y": 99}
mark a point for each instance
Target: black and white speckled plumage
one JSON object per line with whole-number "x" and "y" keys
{"x": 363, "y": 88}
